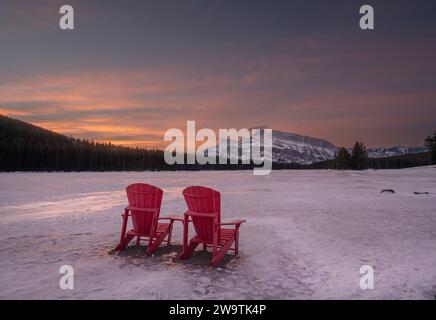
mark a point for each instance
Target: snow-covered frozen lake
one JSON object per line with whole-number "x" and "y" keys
{"x": 308, "y": 233}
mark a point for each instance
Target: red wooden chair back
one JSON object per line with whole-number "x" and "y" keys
{"x": 144, "y": 196}
{"x": 206, "y": 204}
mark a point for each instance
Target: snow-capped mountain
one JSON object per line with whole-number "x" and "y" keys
{"x": 295, "y": 148}
{"x": 393, "y": 151}
{"x": 292, "y": 148}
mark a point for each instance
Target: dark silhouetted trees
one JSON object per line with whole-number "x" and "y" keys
{"x": 359, "y": 156}
{"x": 24, "y": 147}
{"x": 430, "y": 144}
{"x": 342, "y": 159}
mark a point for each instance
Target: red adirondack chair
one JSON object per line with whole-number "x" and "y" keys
{"x": 144, "y": 208}
{"x": 204, "y": 210}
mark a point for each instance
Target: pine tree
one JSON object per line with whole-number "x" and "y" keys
{"x": 342, "y": 160}
{"x": 359, "y": 156}
{"x": 430, "y": 144}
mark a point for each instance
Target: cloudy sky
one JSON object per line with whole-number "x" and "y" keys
{"x": 133, "y": 69}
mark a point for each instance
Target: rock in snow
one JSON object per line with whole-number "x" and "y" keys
{"x": 388, "y": 191}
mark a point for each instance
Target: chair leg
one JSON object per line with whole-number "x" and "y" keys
{"x": 138, "y": 241}
{"x": 170, "y": 233}
{"x": 120, "y": 245}
{"x": 187, "y": 251}
{"x": 204, "y": 247}
{"x": 124, "y": 243}
{"x": 219, "y": 256}
{"x": 236, "y": 243}
{"x": 153, "y": 245}
{"x": 185, "y": 231}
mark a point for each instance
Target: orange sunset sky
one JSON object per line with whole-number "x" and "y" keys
{"x": 133, "y": 69}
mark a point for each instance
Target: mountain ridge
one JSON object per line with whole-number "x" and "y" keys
{"x": 23, "y": 137}
{"x": 288, "y": 147}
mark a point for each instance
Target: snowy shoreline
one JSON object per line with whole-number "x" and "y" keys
{"x": 307, "y": 235}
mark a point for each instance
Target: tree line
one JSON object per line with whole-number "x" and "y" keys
{"x": 359, "y": 160}
{"x": 430, "y": 144}
{"x": 24, "y": 147}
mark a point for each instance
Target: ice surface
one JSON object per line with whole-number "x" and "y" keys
{"x": 308, "y": 233}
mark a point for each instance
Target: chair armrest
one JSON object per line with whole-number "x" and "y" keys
{"x": 232, "y": 223}
{"x": 131, "y": 208}
{"x": 197, "y": 214}
{"x": 173, "y": 218}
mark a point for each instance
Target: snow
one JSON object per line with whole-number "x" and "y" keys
{"x": 308, "y": 233}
